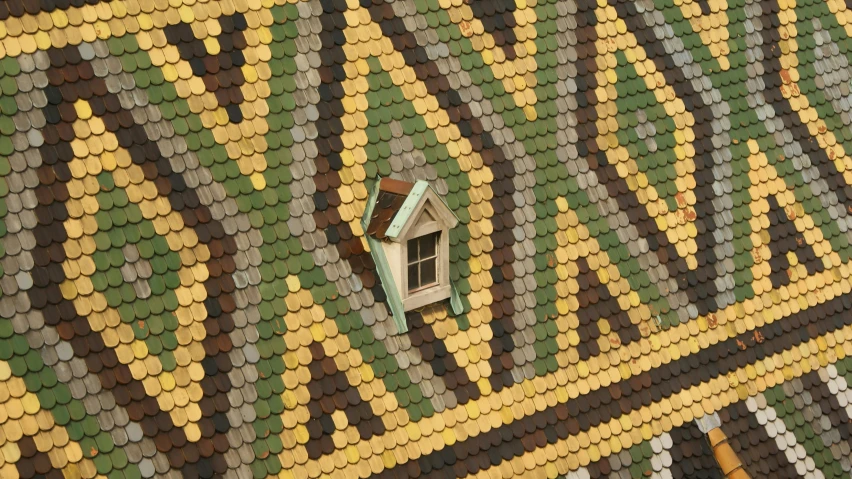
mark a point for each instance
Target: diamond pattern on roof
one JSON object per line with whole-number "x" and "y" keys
{"x": 655, "y": 213}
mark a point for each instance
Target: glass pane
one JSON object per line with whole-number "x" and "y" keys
{"x": 412, "y": 250}
{"x": 428, "y": 245}
{"x": 413, "y": 280}
{"x": 428, "y": 272}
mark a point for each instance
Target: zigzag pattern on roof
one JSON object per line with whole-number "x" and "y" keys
{"x": 655, "y": 205}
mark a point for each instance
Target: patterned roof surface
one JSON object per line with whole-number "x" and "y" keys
{"x": 389, "y": 200}
{"x": 655, "y": 206}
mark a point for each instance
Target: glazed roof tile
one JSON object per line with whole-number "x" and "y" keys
{"x": 655, "y": 215}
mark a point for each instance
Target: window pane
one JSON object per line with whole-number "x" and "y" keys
{"x": 428, "y": 272}
{"x": 428, "y": 244}
{"x": 412, "y": 250}
{"x": 413, "y": 280}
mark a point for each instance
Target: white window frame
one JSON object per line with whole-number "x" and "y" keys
{"x": 398, "y": 249}
{"x": 420, "y": 260}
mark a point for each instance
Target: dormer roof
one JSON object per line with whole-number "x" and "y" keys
{"x": 394, "y": 205}
{"x": 392, "y": 209}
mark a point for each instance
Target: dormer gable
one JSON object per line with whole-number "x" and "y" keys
{"x": 407, "y": 228}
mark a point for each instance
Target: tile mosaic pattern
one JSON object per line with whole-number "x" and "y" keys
{"x": 655, "y": 205}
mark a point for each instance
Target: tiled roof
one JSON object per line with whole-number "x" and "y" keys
{"x": 389, "y": 200}
{"x": 655, "y": 206}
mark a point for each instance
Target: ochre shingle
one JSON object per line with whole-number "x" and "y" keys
{"x": 655, "y": 213}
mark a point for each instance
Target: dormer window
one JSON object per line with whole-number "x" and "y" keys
{"x": 407, "y": 228}
{"x": 423, "y": 262}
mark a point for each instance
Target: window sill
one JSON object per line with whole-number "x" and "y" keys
{"x": 425, "y": 297}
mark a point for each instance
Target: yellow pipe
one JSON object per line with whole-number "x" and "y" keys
{"x": 725, "y": 455}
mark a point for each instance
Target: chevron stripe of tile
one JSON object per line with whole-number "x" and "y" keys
{"x": 178, "y": 398}
{"x": 220, "y": 462}
{"x": 237, "y": 287}
{"x": 516, "y": 74}
{"x": 32, "y": 443}
{"x": 674, "y": 351}
{"x": 795, "y": 146}
{"x": 678, "y": 225}
{"x": 236, "y": 123}
{"x": 307, "y": 329}
{"x": 800, "y": 103}
{"x": 577, "y": 248}
{"x": 593, "y": 179}
{"x": 47, "y": 297}
{"x": 515, "y": 359}
{"x": 710, "y": 22}
{"x": 785, "y": 440}
{"x": 712, "y": 162}
{"x": 617, "y": 436}
{"x": 637, "y": 245}
{"x": 596, "y": 324}
{"x": 783, "y": 199}
{"x": 341, "y": 261}
{"x": 56, "y": 352}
